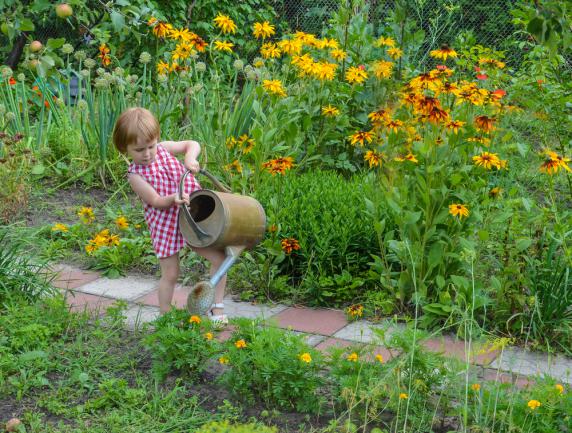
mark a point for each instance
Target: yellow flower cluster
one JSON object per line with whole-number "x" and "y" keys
{"x": 274, "y": 87}
{"x": 102, "y": 239}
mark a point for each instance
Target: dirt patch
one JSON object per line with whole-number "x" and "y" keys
{"x": 46, "y": 207}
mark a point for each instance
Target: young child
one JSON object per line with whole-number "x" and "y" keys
{"x": 154, "y": 175}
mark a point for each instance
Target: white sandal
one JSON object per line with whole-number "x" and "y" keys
{"x": 221, "y": 319}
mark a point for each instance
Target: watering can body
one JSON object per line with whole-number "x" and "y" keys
{"x": 222, "y": 220}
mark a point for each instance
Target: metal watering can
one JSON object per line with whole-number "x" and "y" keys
{"x": 218, "y": 219}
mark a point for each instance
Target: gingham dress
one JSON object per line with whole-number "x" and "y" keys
{"x": 164, "y": 175}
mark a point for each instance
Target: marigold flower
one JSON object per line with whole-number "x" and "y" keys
{"x": 554, "y": 162}
{"x": 443, "y": 53}
{"x": 458, "y": 210}
{"x": 290, "y": 46}
{"x": 361, "y": 137}
{"x": 533, "y": 404}
{"x": 454, "y": 125}
{"x": 338, "y": 54}
{"x": 270, "y": 50}
{"x": 305, "y": 357}
{"x": 274, "y": 87}
{"x": 163, "y": 68}
{"x": 234, "y": 166}
{"x": 161, "y": 29}
{"x": 403, "y": 396}
{"x": 240, "y": 344}
{"x": 560, "y": 388}
{"x": 184, "y": 35}
{"x": 379, "y": 116}
{"x": 279, "y": 165}
{"x": 223, "y": 46}
{"x": 86, "y": 215}
{"x": 385, "y": 42}
{"x": 225, "y": 23}
{"x": 476, "y": 387}
{"x": 487, "y": 160}
{"x": 394, "y": 125}
{"x": 352, "y": 357}
{"x": 104, "y": 55}
{"x": 409, "y": 157}
{"x": 209, "y": 336}
{"x": 373, "y": 158}
{"x": 355, "y": 310}
{"x": 495, "y": 192}
{"x": 59, "y": 227}
{"x": 195, "y": 319}
{"x": 289, "y": 244}
{"x": 382, "y": 69}
{"x": 395, "y": 53}
{"x": 121, "y": 223}
{"x": 263, "y": 30}
{"x": 330, "y": 111}
{"x": 485, "y": 123}
{"x": 355, "y": 75}
{"x": 223, "y": 360}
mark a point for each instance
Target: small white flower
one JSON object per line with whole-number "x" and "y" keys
{"x": 144, "y": 57}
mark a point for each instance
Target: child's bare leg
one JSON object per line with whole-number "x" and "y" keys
{"x": 169, "y": 275}
{"x": 215, "y": 257}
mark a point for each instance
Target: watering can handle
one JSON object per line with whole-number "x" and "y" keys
{"x": 213, "y": 179}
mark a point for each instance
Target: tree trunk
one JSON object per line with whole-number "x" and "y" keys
{"x": 14, "y": 57}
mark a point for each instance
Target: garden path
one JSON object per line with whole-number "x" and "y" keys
{"x": 322, "y": 328}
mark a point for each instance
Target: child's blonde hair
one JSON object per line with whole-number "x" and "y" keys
{"x": 132, "y": 124}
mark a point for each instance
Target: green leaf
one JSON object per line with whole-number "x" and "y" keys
{"x": 435, "y": 255}
{"x": 118, "y": 21}
{"x": 483, "y": 235}
{"x": 38, "y": 169}
{"x": 523, "y": 244}
{"x": 54, "y": 44}
{"x": 535, "y": 27}
{"x": 460, "y": 281}
{"x": 27, "y": 25}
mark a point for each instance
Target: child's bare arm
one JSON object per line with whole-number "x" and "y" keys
{"x": 148, "y": 194}
{"x": 190, "y": 148}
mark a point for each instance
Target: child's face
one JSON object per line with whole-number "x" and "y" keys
{"x": 143, "y": 152}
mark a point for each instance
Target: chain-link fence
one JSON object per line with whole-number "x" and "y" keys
{"x": 484, "y": 22}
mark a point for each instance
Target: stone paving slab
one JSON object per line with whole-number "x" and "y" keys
{"x": 80, "y": 302}
{"x": 363, "y": 331}
{"x": 311, "y": 340}
{"x": 128, "y": 288}
{"x": 521, "y": 382}
{"x": 311, "y": 321}
{"x": 68, "y": 277}
{"x": 137, "y": 315}
{"x": 248, "y": 310}
{"x": 527, "y": 363}
{"x": 452, "y": 347}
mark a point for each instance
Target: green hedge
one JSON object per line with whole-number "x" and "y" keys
{"x": 327, "y": 214}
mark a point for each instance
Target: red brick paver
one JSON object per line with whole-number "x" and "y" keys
{"x": 179, "y": 298}
{"x": 68, "y": 277}
{"x": 324, "y": 322}
{"x": 520, "y": 382}
{"x": 78, "y": 301}
{"x": 454, "y": 348}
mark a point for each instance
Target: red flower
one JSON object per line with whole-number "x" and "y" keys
{"x": 499, "y": 93}
{"x": 441, "y": 67}
{"x": 362, "y": 67}
{"x": 482, "y": 77}
{"x": 12, "y": 81}
{"x": 477, "y": 69}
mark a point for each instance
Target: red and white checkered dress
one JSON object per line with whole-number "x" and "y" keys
{"x": 164, "y": 175}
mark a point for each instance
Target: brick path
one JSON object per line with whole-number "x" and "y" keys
{"x": 322, "y": 328}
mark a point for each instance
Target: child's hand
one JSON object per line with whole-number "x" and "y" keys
{"x": 185, "y": 199}
{"x": 193, "y": 165}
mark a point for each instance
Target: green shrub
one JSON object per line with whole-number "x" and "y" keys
{"x": 276, "y": 366}
{"x": 326, "y": 213}
{"x": 178, "y": 343}
{"x": 225, "y": 427}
